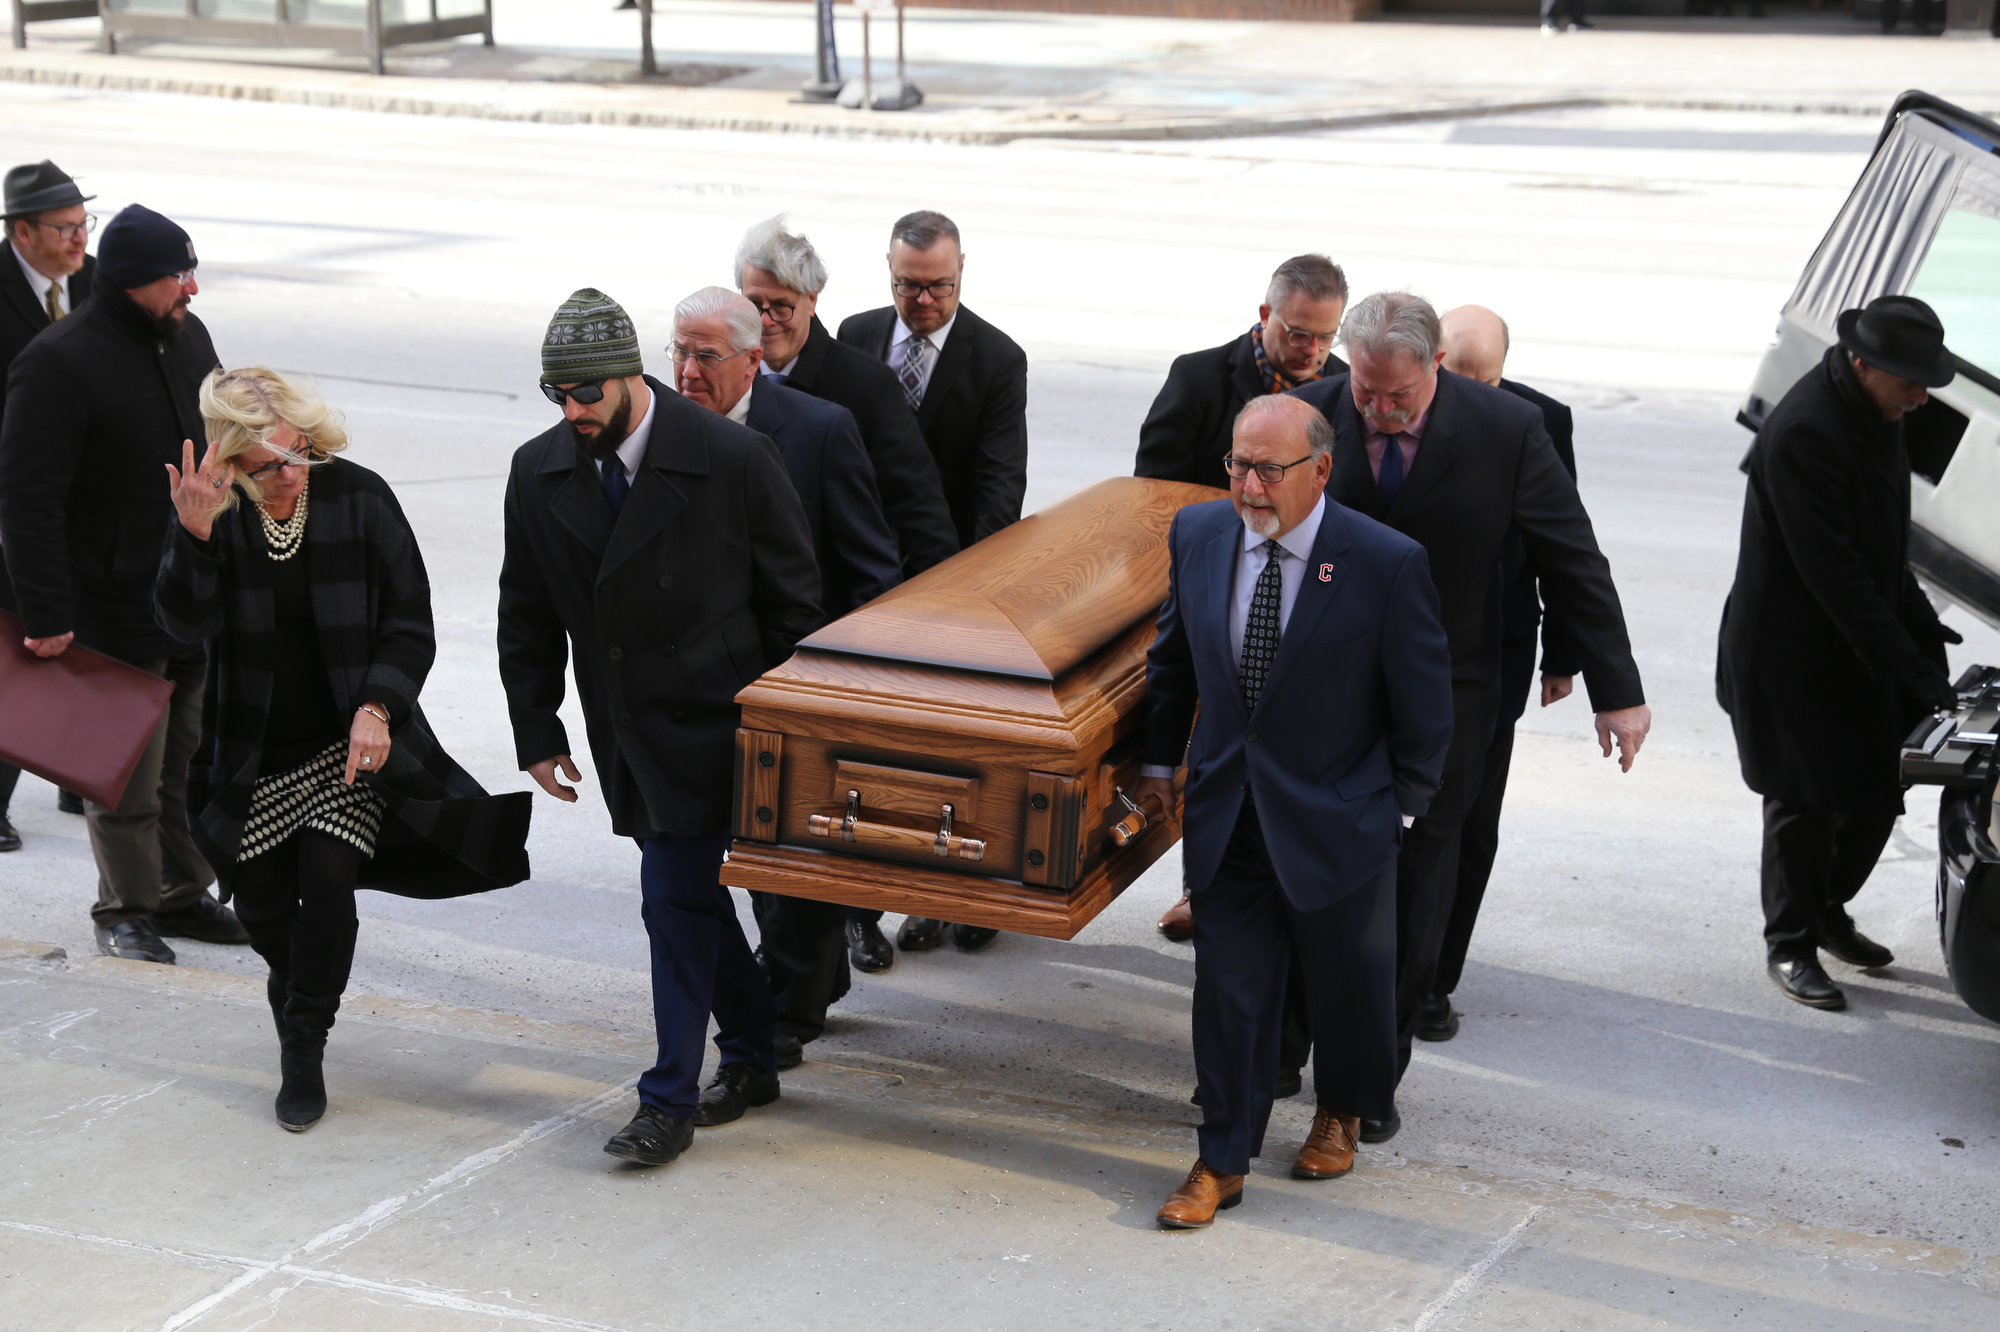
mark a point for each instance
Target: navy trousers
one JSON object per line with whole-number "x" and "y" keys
{"x": 701, "y": 964}
{"x": 1245, "y": 931}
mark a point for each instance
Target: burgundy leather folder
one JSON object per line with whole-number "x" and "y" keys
{"x": 80, "y": 720}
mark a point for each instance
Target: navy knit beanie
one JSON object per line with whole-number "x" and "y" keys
{"x": 139, "y": 246}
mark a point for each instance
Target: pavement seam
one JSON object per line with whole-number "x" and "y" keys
{"x": 1470, "y": 1278}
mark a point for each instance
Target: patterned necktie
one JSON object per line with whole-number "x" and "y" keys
{"x": 1261, "y": 629}
{"x": 616, "y": 485}
{"x": 1389, "y": 481}
{"x": 912, "y": 373}
{"x": 55, "y": 302}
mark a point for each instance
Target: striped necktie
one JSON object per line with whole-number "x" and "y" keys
{"x": 912, "y": 373}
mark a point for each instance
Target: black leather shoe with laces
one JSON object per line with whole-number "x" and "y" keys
{"x": 735, "y": 1088}
{"x": 1804, "y": 980}
{"x": 867, "y": 949}
{"x": 653, "y": 1138}
{"x": 1842, "y": 940}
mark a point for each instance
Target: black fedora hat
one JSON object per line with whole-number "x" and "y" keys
{"x": 39, "y": 187}
{"x": 1902, "y": 335}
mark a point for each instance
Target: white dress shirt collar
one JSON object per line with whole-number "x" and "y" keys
{"x": 633, "y": 451}
{"x": 740, "y": 413}
{"x": 40, "y": 282}
{"x": 903, "y": 336}
{"x": 1298, "y": 541}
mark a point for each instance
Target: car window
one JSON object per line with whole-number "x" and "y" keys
{"x": 1960, "y": 279}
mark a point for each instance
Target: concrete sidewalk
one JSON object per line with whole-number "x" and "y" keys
{"x": 457, "y": 1182}
{"x": 992, "y": 77}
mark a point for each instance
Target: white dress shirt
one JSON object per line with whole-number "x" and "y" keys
{"x": 40, "y": 282}
{"x": 633, "y": 451}
{"x": 899, "y": 347}
{"x": 740, "y": 413}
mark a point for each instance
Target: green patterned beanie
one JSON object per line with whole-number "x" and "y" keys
{"x": 590, "y": 338}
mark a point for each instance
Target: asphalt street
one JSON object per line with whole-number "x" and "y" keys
{"x": 1619, "y": 1031}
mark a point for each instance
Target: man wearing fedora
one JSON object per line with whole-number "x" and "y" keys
{"x": 97, "y": 404}
{"x": 47, "y": 226}
{"x": 1830, "y": 652}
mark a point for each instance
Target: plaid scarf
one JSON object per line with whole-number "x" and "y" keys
{"x": 1274, "y": 381}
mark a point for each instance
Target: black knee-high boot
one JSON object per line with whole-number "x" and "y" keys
{"x": 320, "y": 961}
{"x": 272, "y": 940}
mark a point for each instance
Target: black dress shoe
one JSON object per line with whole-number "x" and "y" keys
{"x": 653, "y": 1138}
{"x": 867, "y": 948}
{"x": 735, "y": 1088}
{"x": 791, "y": 1051}
{"x": 134, "y": 939}
{"x": 920, "y": 934}
{"x": 1841, "y": 939}
{"x": 1437, "y": 1020}
{"x": 207, "y": 920}
{"x": 1804, "y": 980}
{"x": 1381, "y": 1130}
{"x": 10, "y": 840}
{"x": 972, "y": 938}
{"x": 69, "y": 802}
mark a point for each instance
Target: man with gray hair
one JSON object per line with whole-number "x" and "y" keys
{"x": 717, "y": 352}
{"x": 1187, "y": 431}
{"x": 1458, "y": 465}
{"x": 782, "y": 276}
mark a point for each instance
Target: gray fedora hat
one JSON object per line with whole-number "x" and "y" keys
{"x": 1902, "y": 335}
{"x": 39, "y": 187}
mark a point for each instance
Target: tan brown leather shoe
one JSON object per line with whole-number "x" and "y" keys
{"x": 1204, "y": 1193}
{"x": 1329, "y": 1148}
{"x": 1178, "y": 924}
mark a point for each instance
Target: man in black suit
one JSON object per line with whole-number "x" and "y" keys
{"x": 1187, "y": 431}
{"x": 965, "y": 379}
{"x": 968, "y": 384}
{"x": 782, "y": 275}
{"x": 667, "y": 546}
{"x": 1458, "y": 465}
{"x": 47, "y": 227}
{"x": 716, "y": 352}
{"x": 1476, "y": 343}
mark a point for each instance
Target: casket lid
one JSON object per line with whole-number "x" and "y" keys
{"x": 1033, "y": 599}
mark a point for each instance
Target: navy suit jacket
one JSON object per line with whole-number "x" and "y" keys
{"x": 830, "y": 468}
{"x": 1352, "y": 726}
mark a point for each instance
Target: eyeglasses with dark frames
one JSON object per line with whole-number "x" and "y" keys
{"x": 582, "y": 394}
{"x": 778, "y": 312}
{"x": 709, "y": 360}
{"x": 69, "y": 231}
{"x": 269, "y": 470}
{"x": 911, "y": 291}
{"x": 1269, "y": 473}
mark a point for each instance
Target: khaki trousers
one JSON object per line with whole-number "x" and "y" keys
{"x": 146, "y": 860}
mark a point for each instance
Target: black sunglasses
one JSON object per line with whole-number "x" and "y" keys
{"x": 582, "y": 393}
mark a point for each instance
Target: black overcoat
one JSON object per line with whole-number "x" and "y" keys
{"x": 1485, "y": 469}
{"x": 22, "y": 317}
{"x": 371, "y": 599}
{"x": 1824, "y": 614}
{"x": 96, "y": 406}
{"x": 1192, "y": 420}
{"x": 703, "y": 583}
{"x": 1521, "y": 612}
{"x": 974, "y": 416}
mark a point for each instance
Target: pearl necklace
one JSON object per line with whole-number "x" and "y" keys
{"x": 286, "y": 539}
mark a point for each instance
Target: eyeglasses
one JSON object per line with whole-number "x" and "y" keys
{"x": 70, "y": 231}
{"x": 1304, "y": 338}
{"x": 269, "y": 470}
{"x": 709, "y": 360}
{"x": 583, "y": 394}
{"x": 910, "y": 291}
{"x": 1268, "y": 472}
{"x": 185, "y": 277}
{"x": 778, "y": 312}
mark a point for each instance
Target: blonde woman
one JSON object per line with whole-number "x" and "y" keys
{"x": 316, "y": 771}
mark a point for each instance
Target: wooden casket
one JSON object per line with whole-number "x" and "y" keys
{"x": 956, "y": 747}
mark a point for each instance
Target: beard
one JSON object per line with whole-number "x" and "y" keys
{"x": 1264, "y": 522}
{"x": 170, "y": 325}
{"x": 602, "y": 444}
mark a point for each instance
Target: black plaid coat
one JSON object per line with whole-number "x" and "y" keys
{"x": 444, "y": 837}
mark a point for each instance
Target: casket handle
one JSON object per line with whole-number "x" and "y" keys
{"x": 1127, "y": 830}
{"x": 851, "y": 829}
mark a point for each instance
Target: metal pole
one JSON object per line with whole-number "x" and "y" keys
{"x": 489, "y": 23}
{"x": 867, "y": 68}
{"x": 20, "y": 26}
{"x": 371, "y": 39}
{"x": 899, "y": 48}
{"x": 646, "y": 63}
{"x": 824, "y": 86}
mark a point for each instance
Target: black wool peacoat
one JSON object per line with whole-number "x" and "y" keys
{"x": 1189, "y": 426}
{"x": 703, "y": 583}
{"x": 22, "y": 317}
{"x": 371, "y": 599}
{"x": 1825, "y": 615}
{"x": 974, "y": 416}
{"x": 1485, "y": 469}
{"x": 96, "y": 407}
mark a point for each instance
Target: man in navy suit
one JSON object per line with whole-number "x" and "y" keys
{"x": 717, "y": 353}
{"x": 1301, "y": 644}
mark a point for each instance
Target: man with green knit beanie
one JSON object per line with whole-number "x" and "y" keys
{"x": 659, "y": 549}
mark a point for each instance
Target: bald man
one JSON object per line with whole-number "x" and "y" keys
{"x": 1475, "y": 345}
